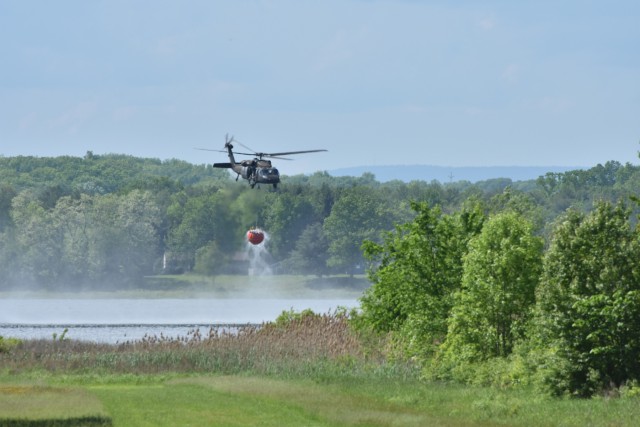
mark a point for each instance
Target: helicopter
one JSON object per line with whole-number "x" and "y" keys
{"x": 256, "y": 170}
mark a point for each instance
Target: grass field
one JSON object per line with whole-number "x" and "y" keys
{"x": 244, "y": 400}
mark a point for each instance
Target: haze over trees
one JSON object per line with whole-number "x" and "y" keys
{"x": 528, "y": 282}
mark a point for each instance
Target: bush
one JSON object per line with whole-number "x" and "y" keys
{"x": 6, "y": 344}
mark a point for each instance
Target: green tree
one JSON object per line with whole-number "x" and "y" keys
{"x": 359, "y": 214}
{"x": 8, "y": 250}
{"x": 38, "y": 242}
{"x": 209, "y": 259}
{"x": 140, "y": 220}
{"x": 287, "y": 213}
{"x": 7, "y": 193}
{"x": 121, "y": 235}
{"x": 415, "y": 272}
{"x": 588, "y": 313}
{"x": 75, "y": 219}
{"x": 492, "y": 308}
{"x": 196, "y": 221}
{"x": 310, "y": 253}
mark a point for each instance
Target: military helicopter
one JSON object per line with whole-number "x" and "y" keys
{"x": 257, "y": 170}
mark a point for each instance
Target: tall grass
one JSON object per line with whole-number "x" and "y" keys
{"x": 308, "y": 345}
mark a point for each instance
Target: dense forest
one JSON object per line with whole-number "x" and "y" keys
{"x": 492, "y": 282}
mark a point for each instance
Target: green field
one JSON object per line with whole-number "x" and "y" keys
{"x": 242, "y": 400}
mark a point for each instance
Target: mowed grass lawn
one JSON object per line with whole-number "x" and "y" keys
{"x": 243, "y": 400}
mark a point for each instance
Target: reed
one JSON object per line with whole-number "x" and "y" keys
{"x": 320, "y": 345}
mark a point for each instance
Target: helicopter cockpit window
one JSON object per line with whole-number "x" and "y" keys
{"x": 272, "y": 171}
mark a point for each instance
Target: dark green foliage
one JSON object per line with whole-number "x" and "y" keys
{"x": 589, "y": 302}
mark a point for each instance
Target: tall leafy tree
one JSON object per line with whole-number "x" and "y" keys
{"x": 501, "y": 272}
{"x": 77, "y": 223}
{"x": 8, "y": 248}
{"x": 310, "y": 253}
{"x": 7, "y": 193}
{"x": 589, "y": 302}
{"x": 415, "y": 272}
{"x": 140, "y": 219}
{"x": 112, "y": 239}
{"x": 287, "y": 213}
{"x": 38, "y": 240}
{"x": 197, "y": 221}
{"x": 359, "y": 214}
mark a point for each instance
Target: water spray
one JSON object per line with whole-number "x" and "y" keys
{"x": 257, "y": 252}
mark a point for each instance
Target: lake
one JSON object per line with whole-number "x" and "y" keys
{"x": 119, "y": 320}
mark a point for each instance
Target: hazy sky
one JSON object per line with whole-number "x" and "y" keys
{"x": 449, "y": 83}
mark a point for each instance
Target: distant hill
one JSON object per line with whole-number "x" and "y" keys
{"x": 444, "y": 174}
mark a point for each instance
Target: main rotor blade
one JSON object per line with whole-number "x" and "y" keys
{"x": 253, "y": 152}
{"x": 225, "y": 151}
{"x": 290, "y": 152}
{"x": 275, "y": 157}
{"x": 261, "y": 155}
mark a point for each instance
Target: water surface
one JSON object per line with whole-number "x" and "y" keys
{"x": 120, "y": 320}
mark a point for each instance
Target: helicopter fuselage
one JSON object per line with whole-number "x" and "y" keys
{"x": 256, "y": 170}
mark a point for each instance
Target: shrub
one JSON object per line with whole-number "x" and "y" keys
{"x": 6, "y": 344}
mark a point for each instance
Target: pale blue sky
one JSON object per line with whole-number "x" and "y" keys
{"x": 446, "y": 83}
